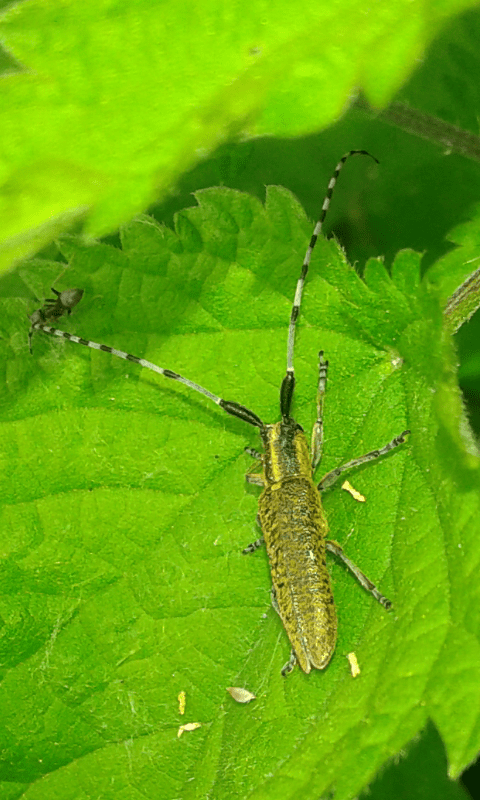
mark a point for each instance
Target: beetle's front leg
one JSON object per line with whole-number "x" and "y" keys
{"x": 257, "y": 480}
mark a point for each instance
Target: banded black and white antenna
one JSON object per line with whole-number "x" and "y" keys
{"x": 288, "y": 384}
{"x": 230, "y": 407}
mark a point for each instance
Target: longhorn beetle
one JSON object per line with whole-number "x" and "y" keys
{"x": 290, "y": 512}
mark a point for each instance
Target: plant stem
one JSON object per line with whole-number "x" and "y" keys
{"x": 427, "y": 127}
{"x": 463, "y": 302}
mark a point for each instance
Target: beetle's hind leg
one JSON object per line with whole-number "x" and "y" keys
{"x": 287, "y": 668}
{"x": 292, "y": 661}
{"x": 253, "y": 546}
{"x": 334, "y": 547}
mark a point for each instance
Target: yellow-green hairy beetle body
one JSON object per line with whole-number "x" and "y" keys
{"x": 295, "y": 528}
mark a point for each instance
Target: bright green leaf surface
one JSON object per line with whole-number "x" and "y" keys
{"x": 125, "y": 512}
{"x": 110, "y": 101}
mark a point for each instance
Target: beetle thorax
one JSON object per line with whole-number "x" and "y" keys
{"x": 286, "y": 451}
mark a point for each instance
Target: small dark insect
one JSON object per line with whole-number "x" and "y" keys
{"x": 53, "y": 308}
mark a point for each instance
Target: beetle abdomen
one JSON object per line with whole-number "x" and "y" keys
{"x": 294, "y": 527}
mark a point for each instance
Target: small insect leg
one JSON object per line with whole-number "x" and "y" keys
{"x": 255, "y": 478}
{"x": 30, "y": 335}
{"x": 334, "y": 547}
{"x": 50, "y": 301}
{"x": 288, "y": 667}
{"x": 317, "y": 432}
{"x": 38, "y": 317}
{"x": 253, "y": 546}
{"x": 253, "y": 453}
{"x": 256, "y": 544}
{"x": 330, "y": 478}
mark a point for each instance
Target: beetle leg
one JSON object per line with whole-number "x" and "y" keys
{"x": 317, "y": 432}
{"x": 288, "y": 667}
{"x": 334, "y": 547}
{"x": 253, "y": 453}
{"x": 255, "y": 478}
{"x": 330, "y": 478}
{"x": 253, "y": 546}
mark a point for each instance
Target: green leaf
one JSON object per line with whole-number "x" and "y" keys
{"x": 105, "y": 102}
{"x": 125, "y": 511}
{"x": 419, "y": 774}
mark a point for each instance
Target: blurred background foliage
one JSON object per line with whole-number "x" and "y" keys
{"x": 428, "y": 181}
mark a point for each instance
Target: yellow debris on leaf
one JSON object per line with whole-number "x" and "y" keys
{"x": 354, "y": 668}
{"x": 182, "y": 697}
{"x": 356, "y": 495}
{"x": 189, "y": 726}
